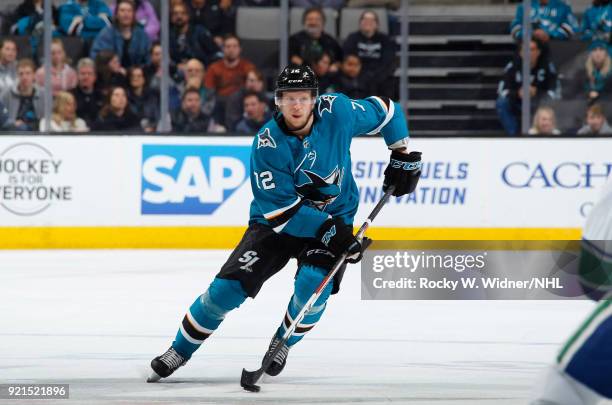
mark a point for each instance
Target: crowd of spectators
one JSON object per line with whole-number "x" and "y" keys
{"x": 554, "y": 20}
{"x": 113, "y": 84}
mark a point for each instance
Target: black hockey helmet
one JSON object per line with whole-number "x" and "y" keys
{"x": 297, "y": 77}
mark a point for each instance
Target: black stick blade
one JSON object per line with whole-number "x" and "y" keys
{"x": 249, "y": 378}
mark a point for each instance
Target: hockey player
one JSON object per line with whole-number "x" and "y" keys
{"x": 304, "y": 202}
{"x": 583, "y": 372}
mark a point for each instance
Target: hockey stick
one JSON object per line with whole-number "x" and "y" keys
{"x": 249, "y": 379}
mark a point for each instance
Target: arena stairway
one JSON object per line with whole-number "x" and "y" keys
{"x": 456, "y": 59}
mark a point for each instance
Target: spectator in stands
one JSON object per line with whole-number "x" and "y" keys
{"x": 543, "y": 86}
{"x": 64, "y": 117}
{"x": 116, "y": 114}
{"x": 84, "y": 18}
{"x": 337, "y": 4}
{"x": 190, "y": 118}
{"x": 153, "y": 70}
{"x": 28, "y": 17}
{"x": 194, "y": 78}
{"x": 226, "y": 76}
{"x": 234, "y": 107}
{"x": 217, "y": 16}
{"x": 550, "y": 19}
{"x": 109, "y": 71}
{"x": 63, "y": 77}
{"x": 544, "y": 122}
{"x": 8, "y": 64}
{"x": 377, "y": 54}
{"x": 598, "y": 69}
{"x": 596, "y": 22}
{"x": 596, "y": 122}
{"x": 256, "y": 114}
{"x": 188, "y": 42}
{"x": 147, "y": 17}
{"x": 125, "y": 37}
{"x": 349, "y": 80}
{"x": 321, "y": 66}
{"x": 306, "y": 46}
{"x": 87, "y": 95}
{"x": 143, "y": 102}
{"x": 4, "y": 118}
{"x": 24, "y": 101}
{"x": 29, "y": 21}
{"x": 25, "y": 9}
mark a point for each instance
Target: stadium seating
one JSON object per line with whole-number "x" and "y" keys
{"x": 259, "y": 30}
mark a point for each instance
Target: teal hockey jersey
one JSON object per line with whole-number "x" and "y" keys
{"x": 555, "y": 18}
{"x": 597, "y": 23}
{"x": 299, "y": 183}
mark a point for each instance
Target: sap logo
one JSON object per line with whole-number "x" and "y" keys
{"x": 190, "y": 179}
{"x": 562, "y": 175}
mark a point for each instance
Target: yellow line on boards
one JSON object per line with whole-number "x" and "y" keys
{"x": 228, "y": 237}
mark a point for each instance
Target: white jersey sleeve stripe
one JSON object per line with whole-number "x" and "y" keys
{"x": 275, "y": 213}
{"x": 390, "y": 113}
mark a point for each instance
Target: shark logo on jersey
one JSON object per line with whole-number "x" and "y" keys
{"x": 325, "y": 103}
{"x": 312, "y": 157}
{"x": 309, "y": 157}
{"x": 265, "y": 140}
{"x": 321, "y": 191}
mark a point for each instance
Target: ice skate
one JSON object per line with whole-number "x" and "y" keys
{"x": 280, "y": 359}
{"x": 166, "y": 364}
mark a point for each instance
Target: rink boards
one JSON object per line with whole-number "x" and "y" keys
{"x": 195, "y": 192}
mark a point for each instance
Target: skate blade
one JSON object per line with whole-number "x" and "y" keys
{"x": 154, "y": 377}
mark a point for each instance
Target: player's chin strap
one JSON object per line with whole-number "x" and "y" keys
{"x": 249, "y": 378}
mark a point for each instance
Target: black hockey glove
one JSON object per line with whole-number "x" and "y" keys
{"x": 403, "y": 172}
{"x": 338, "y": 237}
{"x": 356, "y": 258}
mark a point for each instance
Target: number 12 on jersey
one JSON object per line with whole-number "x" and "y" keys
{"x": 266, "y": 179}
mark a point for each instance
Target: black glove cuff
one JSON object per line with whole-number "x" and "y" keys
{"x": 412, "y": 157}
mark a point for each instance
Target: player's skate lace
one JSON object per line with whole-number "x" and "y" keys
{"x": 172, "y": 359}
{"x": 166, "y": 364}
{"x": 278, "y": 363}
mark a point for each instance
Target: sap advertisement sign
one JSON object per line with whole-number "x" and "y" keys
{"x": 191, "y": 179}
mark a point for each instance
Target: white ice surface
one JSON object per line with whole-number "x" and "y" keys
{"x": 95, "y": 319}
